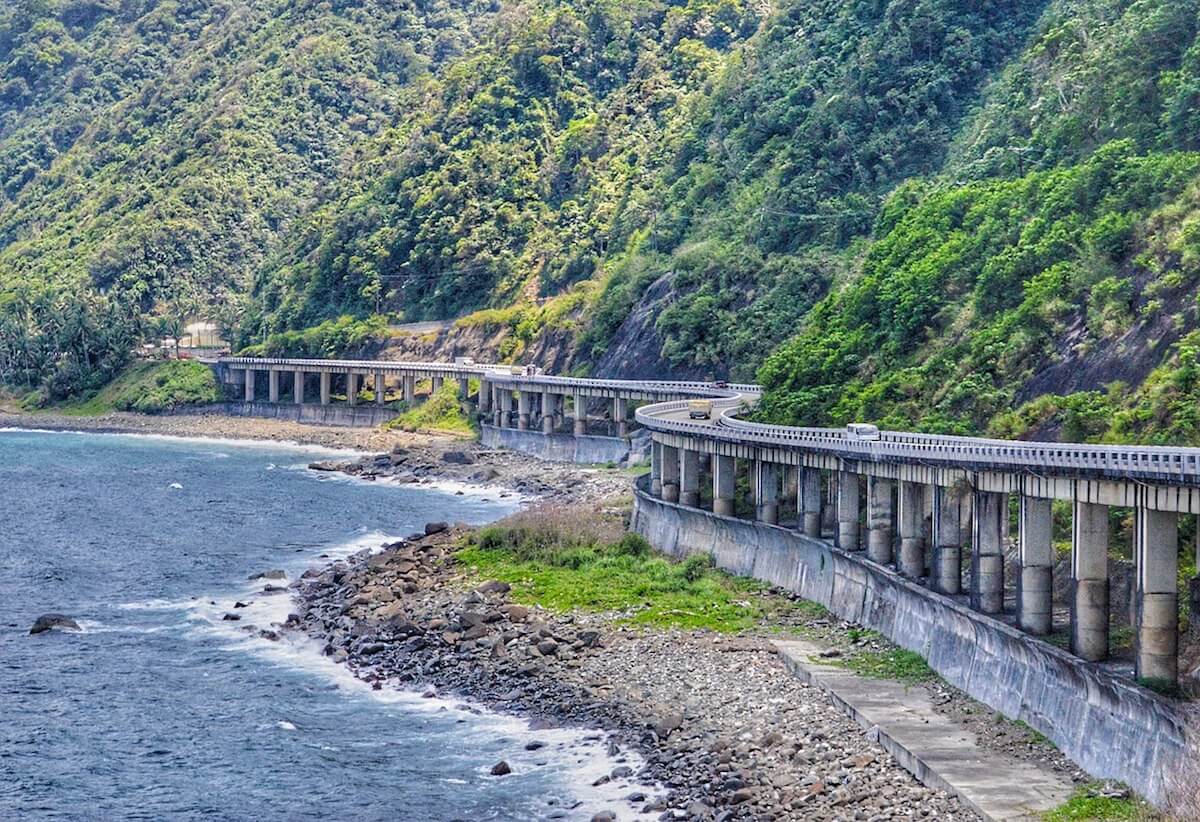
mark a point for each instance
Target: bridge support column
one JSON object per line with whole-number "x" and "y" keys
{"x": 1089, "y": 581}
{"x": 724, "y": 475}
{"x": 549, "y": 412}
{"x": 847, "y": 511}
{"x": 272, "y": 386}
{"x": 581, "y": 417}
{"x": 523, "y": 398}
{"x": 829, "y": 506}
{"x": 380, "y": 385}
{"x": 352, "y": 389}
{"x": 947, "y": 542}
{"x": 506, "y": 408}
{"x": 1156, "y": 635}
{"x": 879, "y": 520}
{"x": 464, "y": 388}
{"x": 1035, "y": 587}
{"x": 409, "y": 383}
{"x": 298, "y": 387}
{"x": 911, "y": 499}
{"x": 689, "y": 477}
{"x": 485, "y": 397}
{"x": 808, "y": 501}
{"x": 766, "y": 491}
{"x": 249, "y": 395}
{"x": 656, "y": 468}
{"x": 620, "y": 416}
{"x": 326, "y": 380}
{"x": 435, "y": 384}
{"x": 670, "y": 473}
{"x": 987, "y": 552}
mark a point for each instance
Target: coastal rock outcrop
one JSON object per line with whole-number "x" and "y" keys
{"x": 47, "y": 622}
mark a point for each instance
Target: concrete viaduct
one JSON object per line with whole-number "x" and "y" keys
{"x": 905, "y": 533}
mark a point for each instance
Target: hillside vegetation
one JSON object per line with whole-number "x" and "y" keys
{"x": 943, "y": 214}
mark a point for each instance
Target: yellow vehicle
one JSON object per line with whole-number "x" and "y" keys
{"x": 699, "y": 409}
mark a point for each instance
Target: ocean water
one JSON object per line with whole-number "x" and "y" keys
{"x": 159, "y": 709}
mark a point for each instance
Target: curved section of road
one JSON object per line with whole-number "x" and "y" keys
{"x": 668, "y": 412}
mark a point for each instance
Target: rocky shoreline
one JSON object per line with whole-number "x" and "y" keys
{"x": 724, "y": 732}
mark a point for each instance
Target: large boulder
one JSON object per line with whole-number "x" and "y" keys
{"x": 457, "y": 458}
{"x": 47, "y": 622}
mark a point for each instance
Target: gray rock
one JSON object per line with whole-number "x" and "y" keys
{"x": 47, "y": 622}
{"x": 457, "y": 458}
{"x": 501, "y": 768}
{"x": 432, "y": 528}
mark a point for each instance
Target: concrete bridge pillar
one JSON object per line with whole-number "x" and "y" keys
{"x": 879, "y": 520}
{"x": 830, "y": 506}
{"x": 272, "y": 386}
{"x": 326, "y": 380}
{"x": 1156, "y": 634}
{"x": 987, "y": 554}
{"x": 1035, "y": 586}
{"x": 689, "y": 477}
{"x": 298, "y": 387}
{"x": 766, "y": 491}
{"x": 435, "y": 384}
{"x": 1089, "y": 581}
{"x": 249, "y": 395}
{"x": 549, "y": 412}
{"x": 485, "y": 397}
{"x": 620, "y": 415}
{"x": 409, "y": 383}
{"x": 724, "y": 475}
{"x": 656, "y": 468}
{"x": 670, "y": 473}
{"x": 497, "y": 407}
{"x": 808, "y": 501}
{"x": 464, "y": 388}
{"x": 947, "y": 542}
{"x": 847, "y": 511}
{"x": 581, "y": 418}
{"x": 523, "y": 403}
{"x": 380, "y": 385}
{"x": 911, "y": 516}
{"x": 352, "y": 389}
{"x": 506, "y": 408}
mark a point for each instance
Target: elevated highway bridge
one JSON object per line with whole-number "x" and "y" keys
{"x": 925, "y": 510}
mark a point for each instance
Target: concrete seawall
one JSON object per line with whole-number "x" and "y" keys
{"x": 557, "y": 447}
{"x": 1112, "y": 728}
{"x": 349, "y": 416}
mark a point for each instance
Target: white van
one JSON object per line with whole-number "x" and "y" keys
{"x": 862, "y": 431}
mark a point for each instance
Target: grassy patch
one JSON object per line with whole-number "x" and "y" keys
{"x": 150, "y": 388}
{"x": 440, "y": 412}
{"x": 896, "y": 664}
{"x": 1089, "y": 803}
{"x": 564, "y": 562}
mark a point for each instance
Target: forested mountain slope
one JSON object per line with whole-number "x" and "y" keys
{"x": 155, "y": 150}
{"x": 947, "y": 214}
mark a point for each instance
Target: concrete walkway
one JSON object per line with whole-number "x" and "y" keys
{"x": 934, "y": 748}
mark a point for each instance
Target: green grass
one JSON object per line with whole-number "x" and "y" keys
{"x": 1085, "y": 804}
{"x": 896, "y": 664}
{"x": 563, "y": 566}
{"x": 440, "y": 412}
{"x": 150, "y": 388}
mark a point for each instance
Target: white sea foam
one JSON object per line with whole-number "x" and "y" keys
{"x": 282, "y": 445}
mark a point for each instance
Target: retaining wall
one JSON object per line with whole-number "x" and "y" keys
{"x": 1109, "y": 726}
{"x": 357, "y": 416}
{"x": 557, "y": 447}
